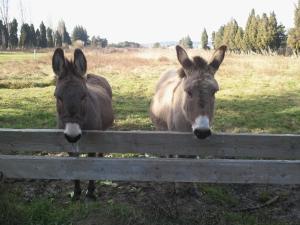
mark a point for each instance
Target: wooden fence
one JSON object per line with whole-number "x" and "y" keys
{"x": 225, "y": 158}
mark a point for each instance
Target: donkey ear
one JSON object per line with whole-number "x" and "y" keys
{"x": 80, "y": 62}
{"x": 218, "y": 57}
{"x": 58, "y": 62}
{"x": 183, "y": 58}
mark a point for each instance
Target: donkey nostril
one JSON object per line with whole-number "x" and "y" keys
{"x": 72, "y": 139}
{"x": 201, "y": 134}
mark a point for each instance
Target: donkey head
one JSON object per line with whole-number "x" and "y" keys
{"x": 200, "y": 87}
{"x": 71, "y": 92}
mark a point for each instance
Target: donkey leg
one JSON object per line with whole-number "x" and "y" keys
{"x": 77, "y": 188}
{"x": 91, "y": 186}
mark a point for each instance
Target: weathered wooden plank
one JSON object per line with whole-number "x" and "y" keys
{"x": 170, "y": 170}
{"x": 218, "y": 145}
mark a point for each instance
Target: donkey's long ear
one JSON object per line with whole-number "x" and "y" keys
{"x": 218, "y": 57}
{"x": 80, "y": 62}
{"x": 58, "y": 62}
{"x": 183, "y": 58}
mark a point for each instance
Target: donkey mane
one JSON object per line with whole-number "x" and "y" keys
{"x": 197, "y": 63}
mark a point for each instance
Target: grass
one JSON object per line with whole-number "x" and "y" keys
{"x": 258, "y": 94}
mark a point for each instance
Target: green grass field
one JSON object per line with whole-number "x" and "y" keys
{"x": 258, "y": 94}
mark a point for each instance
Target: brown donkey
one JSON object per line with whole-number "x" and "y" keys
{"x": 83, "y": 102}
{"x": 184, "y": 99}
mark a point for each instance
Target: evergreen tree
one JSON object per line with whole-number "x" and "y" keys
{"x": 4, "y": 36}
{"x": 33, "y": 41}
{"x": 239, "y": 40}
{"x": 99, "y": 42}
{"x": 57, "y": 39}
{"x": 204, "y": 40}
{"x": 273, "y": 32}
{"x": 80, "y": 33}
{"x": 38, "y": 38}
{"x": 64, "y": 35}
{"x": 213, "y": 37}
{"x": 293, "y": 40}
{"x": 156, "y": 45}
{"x": 250, "y": 33}
{"x": 25, "y": 36}
{"x": 13, "y": 34}
{"x": 1, "y": 30}
{"x": 219, "y": 37}
{"x": 43, "y": 36}
{"x": 263, "y": 39}
{"x": 50, "y": 41}
{"x": 230, "y": 31}
{"x": 186, "y": 42}
{"x": 281, "y": 41}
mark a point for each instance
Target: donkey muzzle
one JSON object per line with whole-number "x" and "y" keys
{"x": 72, "y": 132}
{"x": 201, "y": 127}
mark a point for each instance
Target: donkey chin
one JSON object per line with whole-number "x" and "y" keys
{"x": 72, "y": 132}
{"x": 201, "y": 127}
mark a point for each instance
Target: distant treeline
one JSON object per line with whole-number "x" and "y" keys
{"x": 262, "y": 34}
{"x": 45, "y": 37}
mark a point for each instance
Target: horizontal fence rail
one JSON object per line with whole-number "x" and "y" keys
{"x": 139, "y": 169}
{"x": 162, "y": 143}
{"x": 245, "y": 146}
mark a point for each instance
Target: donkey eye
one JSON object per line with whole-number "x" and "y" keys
{"x": 59, "y": 101}
{"x": 189, "y": 93}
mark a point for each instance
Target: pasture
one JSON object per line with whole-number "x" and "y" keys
{"x": 258, "y": 94}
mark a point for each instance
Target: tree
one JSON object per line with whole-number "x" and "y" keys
{"x": 239, "y": 40}
{"x": 57, "y": 39}
{"x": 229, "y": 34}
{"x": 156, "y": 45}
{"x": 219, "y": 37}
{"x": 80, "y": 33}
{"x": 64, "y": 35}
{"x": 263, "y": 39}
{"x": 50, "y": 41}
{"x": 250, "y": 32}
{"x": 281, "y": 41}
{"x": 43, "y": 36}
{"x": 25, "y": 41}
{"x": 4, "y": 13}
{"x": 33, "y": 40}
{"x": 13, "y": 34}
{"x": 204, "y": 40}
{"x": 293, "y": 40}
{"x": 38, "y": 38}
{"x": 99, "y": 42}
{"x": 126, "y": 44}
{"x": 213, "y": 38}
{"x": 186, "y": 42}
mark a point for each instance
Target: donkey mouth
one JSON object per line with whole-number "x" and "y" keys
{"x": 72, "y": 139}
{"x": 202, "y": 134}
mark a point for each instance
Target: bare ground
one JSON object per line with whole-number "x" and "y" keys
{"x": 268, "y": 202}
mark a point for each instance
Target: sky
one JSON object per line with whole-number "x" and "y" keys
{"x": 148, "y": 21}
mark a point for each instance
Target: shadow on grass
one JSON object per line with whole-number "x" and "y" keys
{"x": 272, "y": 114}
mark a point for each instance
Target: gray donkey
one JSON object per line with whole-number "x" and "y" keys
{"x": 184, "y": 99}
{"x": 83, "y": 102}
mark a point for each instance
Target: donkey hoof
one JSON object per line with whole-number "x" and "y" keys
{"x": 75, "y": 196}
{"x": 90, "y": 197}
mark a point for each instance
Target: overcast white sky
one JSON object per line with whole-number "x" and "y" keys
{"x": 148, "y": 21}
